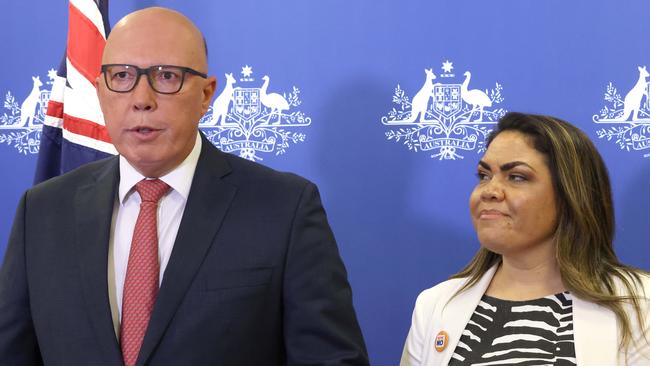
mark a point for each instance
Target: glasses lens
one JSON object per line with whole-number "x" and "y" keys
{"x": 121, "y": 78}
{"x": 166, "y": 79}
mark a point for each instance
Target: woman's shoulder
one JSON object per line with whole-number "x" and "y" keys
{"x": 639, "y": 288}
{"x": 638, "y": 280}
{"x": 645, "y": 279}
{"x": 644, "y": 283}
{"x": 443, "y": 291}
{"x": 446, "y": 290}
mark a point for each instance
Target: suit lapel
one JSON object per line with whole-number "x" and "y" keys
{"x": 207, "y": 204}
{"x": 93, "y": 208}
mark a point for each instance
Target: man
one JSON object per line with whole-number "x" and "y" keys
{"x": 244, "y": 269}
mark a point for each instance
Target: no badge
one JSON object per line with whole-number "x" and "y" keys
{"x": 442, "y": 339}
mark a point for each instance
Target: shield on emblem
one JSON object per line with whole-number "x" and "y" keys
{"x": 42, "y": 105}
{"x": 246, "y": 102}
{"x": 446, "y": 99}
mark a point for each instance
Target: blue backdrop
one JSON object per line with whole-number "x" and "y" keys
{"x": 395, "y": 190}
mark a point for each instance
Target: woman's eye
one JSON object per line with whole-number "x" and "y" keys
{"x": 517, "y": 178}
{"x": 482, "y": 176}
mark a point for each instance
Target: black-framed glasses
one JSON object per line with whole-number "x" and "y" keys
{"x": 164, "y": 79}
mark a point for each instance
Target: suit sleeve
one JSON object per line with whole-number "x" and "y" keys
{"x": 320, "y": 325}
{"x": 18, "y": 344}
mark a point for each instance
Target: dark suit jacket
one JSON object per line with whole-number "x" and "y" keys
{"x": 255, "y": 276}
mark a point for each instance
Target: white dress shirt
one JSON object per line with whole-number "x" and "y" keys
{"x": 125, "y": 213}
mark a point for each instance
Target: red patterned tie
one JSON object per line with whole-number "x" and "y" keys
{"x": 142, "y": 272}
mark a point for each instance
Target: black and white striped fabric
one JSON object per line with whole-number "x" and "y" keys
{"x": 535, "y": 332}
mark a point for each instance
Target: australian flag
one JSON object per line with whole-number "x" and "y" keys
{"x": 74, "y": 132}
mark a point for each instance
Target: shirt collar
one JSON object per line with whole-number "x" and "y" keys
{"x": 180, "y": 178}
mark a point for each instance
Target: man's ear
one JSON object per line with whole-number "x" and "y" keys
{"x": 98, "y": 82}
{"x": 208, "y": 91}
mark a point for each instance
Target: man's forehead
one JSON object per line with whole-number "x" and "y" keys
{"x": 153, "y": 37}
{"x": 156, "y": 15}
{"x": 167, "y": 25}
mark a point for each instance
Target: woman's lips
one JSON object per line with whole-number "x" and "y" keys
{"x": 491, "y": 214}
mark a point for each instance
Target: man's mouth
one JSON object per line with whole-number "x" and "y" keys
{"x": 145, "y": 133}
{"x": 143, "y": 129}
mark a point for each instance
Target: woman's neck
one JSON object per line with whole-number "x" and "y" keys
{"x": 526, "y": 279}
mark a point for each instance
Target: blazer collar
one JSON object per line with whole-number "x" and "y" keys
{"x": 209, "y": 199}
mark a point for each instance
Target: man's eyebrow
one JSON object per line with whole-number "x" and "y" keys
{"x": 506, "y": 166}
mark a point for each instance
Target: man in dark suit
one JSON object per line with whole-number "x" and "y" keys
{"x": 245, "y": 268}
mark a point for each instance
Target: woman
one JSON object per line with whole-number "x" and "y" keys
{"x": 546, "y": 286}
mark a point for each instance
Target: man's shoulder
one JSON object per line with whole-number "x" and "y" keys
{"x": 246, "y": 172}
{"x": 83, "y": 175}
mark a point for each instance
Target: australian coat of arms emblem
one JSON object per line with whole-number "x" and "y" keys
{"x": 247, "y": 119}
{"x": 628, "y": 117}
{"x": 445, "y": 116}
{"x": 21, "y": 123}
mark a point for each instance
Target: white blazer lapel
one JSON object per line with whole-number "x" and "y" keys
{"x": 455, "y": 315}
{"x": 595, "y": 334}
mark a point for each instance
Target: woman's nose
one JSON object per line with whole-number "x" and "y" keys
{"x": 492, "y": 190}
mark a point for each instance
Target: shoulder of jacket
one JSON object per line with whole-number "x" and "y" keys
{"x": 440, "y": 292}
{"x": 246, "y": 171}
{"x": 76, "y": 177}
{"x": 639, "y": 280}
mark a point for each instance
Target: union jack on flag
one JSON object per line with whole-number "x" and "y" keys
{"x": 74, "y": 132}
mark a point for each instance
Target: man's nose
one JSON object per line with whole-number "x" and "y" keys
{"x": 143, "y": 96}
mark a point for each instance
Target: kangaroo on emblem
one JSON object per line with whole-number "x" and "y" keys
{"x": 221, "y": 103}
{"x": 632, "y": 101}
{"x": 28, "y": 108}
{"x": 420, "y": 100}
{"x": 274, "y": 101}
{"x": 475, "y": 97}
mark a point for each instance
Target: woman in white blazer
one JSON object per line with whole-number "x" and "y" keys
{"x": 546, "y": 286}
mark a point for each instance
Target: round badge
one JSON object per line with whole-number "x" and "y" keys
{"x": 441, "y": 341}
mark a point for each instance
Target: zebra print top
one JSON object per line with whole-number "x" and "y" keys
{"x": 533, "y": 332}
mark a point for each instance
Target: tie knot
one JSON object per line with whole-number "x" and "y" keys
{"x": 151, "y": 190}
